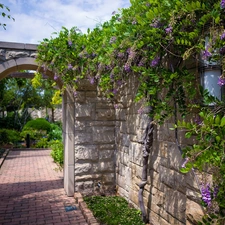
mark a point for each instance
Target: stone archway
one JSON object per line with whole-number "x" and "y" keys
{"x": 17, "y": 56}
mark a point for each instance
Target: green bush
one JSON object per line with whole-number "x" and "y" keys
{"x": 55, "y": 132}
{"x": 38, "y": 124}
{"x": 42, "y": 143}
{"x": 8, "y": 136}
{"x": 37, "y": 129}
{"x": 57, "y": 152}
{"x": 113, "y": 210}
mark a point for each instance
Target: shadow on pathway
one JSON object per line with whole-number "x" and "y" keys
{"x": 31, "y": 191}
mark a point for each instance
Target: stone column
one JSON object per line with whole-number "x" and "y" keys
{"x": 68, "y": 137}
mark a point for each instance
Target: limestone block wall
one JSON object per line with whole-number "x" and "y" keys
{"x": 94, "y": 141}
{"x": 108, "y": 157}
{"x": 42, "y": 113}
{"x": 170, "y": 197}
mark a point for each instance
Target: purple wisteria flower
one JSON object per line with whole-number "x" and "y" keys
{"x": 215, "y": 191}
{"x": 134, "y": 22}
{"x": 221, "y": 81}
{"x": 222, "y": 4}
{"x": 91, "y": 80}
{"x": 112, "y": 76}
{"x": 156, "y": 23}
{"x": 120, "y": 54}
{"x": 184, "y": 163}
{"x": 169, "y": 30}
{"x": 141, "y": 63}
{"x": 55, "y": 77}
{"x": 127, "y": 67}
{"x": 155, "y": 61}
{"x": 222, "y": 50}
{"x": 70, "y": 66}
{"x": 198, "y": 120}
{"x": 116, "y": 106}
{"x": 206, "y": 54}
{"x": 206, "y": 194}
{"x": 112, "y": 39}
{"x": 114, "y": 12}
{"x": 114, "y": 91}
{"x": 75, "y": 94}
{"x": 141, "y": 110}
{"x": 70, "y": 43}
{"x": 222, "y": 36}
{"x": 119, "y": 82}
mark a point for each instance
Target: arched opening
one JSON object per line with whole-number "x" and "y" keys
{"x": 29, "y": 63}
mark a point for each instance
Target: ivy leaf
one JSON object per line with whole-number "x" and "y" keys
{"x": 222, "y": 124}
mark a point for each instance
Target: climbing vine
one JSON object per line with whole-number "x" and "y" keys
{"x": 163, "y": 43}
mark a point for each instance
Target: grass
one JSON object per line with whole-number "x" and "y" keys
{"x": 113, "y": 210}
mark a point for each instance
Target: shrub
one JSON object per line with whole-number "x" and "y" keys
{"x": 37, "y": 129}
{"x": 38, "y": 124}
{"x": 113, "y": 210}
{"x": 55, "y": 132}
{"x": 42, "y": 143}
{"x": 8, "y": 136}
{"x": 57, "y": 152}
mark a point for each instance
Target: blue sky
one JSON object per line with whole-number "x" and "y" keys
{"x": 38, "y": 19}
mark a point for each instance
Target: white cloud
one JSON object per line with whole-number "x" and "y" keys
{"x": 38, "y": 19}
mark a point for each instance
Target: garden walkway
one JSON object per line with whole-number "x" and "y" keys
{"x": 31, "y": 191}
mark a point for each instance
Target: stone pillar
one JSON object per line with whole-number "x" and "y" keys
{"x": 68, "y": 140}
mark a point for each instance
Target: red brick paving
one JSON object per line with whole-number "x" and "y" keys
{"x": 31, "y": 191}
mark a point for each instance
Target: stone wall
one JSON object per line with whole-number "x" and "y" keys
{"x": 108, "y": 151}
{"x": 94, "y": 141}
{"x": 170, "y": 197}
{"x": 42, "y": 113}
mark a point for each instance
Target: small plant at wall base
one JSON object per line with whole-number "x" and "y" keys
{"x": 113, "y": 210}
{"x": 159, "y": 42}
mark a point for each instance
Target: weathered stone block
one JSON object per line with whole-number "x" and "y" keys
{"x": 194, "y": 196}
{"x": 106, "y": 166}
{"x": 80, "y": 97}
{"x": 103, "y": 135}
{"x": 80, "y": 125}
{"x": 172, "y": 179}
{"x": 105, "y": 114}
{"x": 165, "y": 134}
{"x": 106, "y": 154}
{"x": 82, "y": 168}
{"x": 86, "y": 152}
{"x": 175, "y": 204}
{"x": 84, "y": 187}
{"x": 136, "y": 153}
{"x": 84, "y": 111}
{"x": 194, "y": 212}
{"x": 83, "y": 138}
{"x": 120, "y": 114}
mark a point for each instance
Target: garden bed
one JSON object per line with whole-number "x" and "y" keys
{"x": 113, "y": 210}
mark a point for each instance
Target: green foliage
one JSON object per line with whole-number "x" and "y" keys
{"x": 207, "y": 153}
{"x": 113, "y": 210}
{"x": 37, "y": 129}
{"x": 42, "y": 143}
{"x": 8, "y": 136}
{"x": 159, "y": 42}
{"x": 4, "y": 10}
{"x": 38, "y": 124}
{"x": 57, "y": 152}
{"x": 55, "y": 132}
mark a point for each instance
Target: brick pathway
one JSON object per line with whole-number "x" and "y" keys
{"x": 31, "y": 191}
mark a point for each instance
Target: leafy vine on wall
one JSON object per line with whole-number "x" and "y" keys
{"x": 163, "y": 43}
